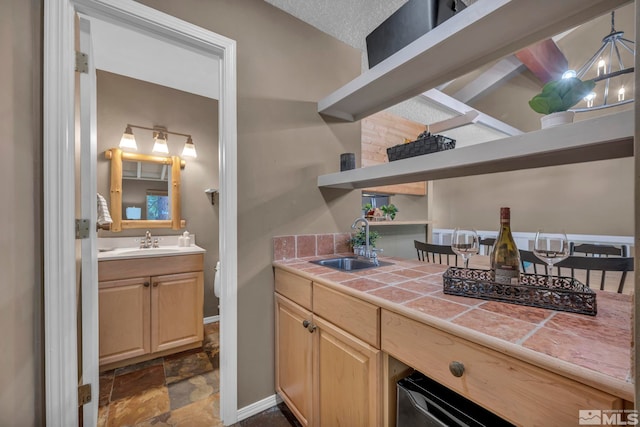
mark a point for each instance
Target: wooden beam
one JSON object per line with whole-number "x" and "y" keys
{"x": 544, "y": 60}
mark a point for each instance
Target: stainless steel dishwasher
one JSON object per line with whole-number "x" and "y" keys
{"x": 423, "y": 402}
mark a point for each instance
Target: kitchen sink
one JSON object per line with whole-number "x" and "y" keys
{"x": 349, "y": 263}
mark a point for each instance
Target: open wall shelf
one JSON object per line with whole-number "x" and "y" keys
{"x": 487, "y": 30}
{"x": 606, "y": 137}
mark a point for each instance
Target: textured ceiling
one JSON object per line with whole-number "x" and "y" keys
{"x": 346, "y": 20}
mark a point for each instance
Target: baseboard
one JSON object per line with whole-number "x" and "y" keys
{"x": 259, "y": 406}
{"x": 211, "y": 319}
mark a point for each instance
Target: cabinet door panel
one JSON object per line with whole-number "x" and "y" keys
{"x": 124, "y": 319}
{"x": 293, "y": 358}
{"x": 176, "y": 315}
{"x": 347, "y": 379}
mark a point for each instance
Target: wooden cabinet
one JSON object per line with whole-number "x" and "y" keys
{"x": 326, "y": 375}
{"x": 511, "y": 388}
{"x": 346, "y": 378}
{"x": 294, "y": 344}
{"x": 151, "y": 314}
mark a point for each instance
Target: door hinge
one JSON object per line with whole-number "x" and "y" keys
{"x": 82, "y": 228}
{"x": 84, "y": 394}
{"x": 82, "y": 62}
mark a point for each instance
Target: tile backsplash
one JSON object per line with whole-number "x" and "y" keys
{"x": 306, "y": 245}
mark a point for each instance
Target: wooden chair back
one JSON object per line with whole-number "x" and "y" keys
{"x": 486, "y": 244}
{"x": 600, "y": 250}
{"x": 537, "y": 266}
{"x": 603, "y": 265}
{"x": 429, "y": 252}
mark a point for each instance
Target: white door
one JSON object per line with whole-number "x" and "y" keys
{"x": 88, "y": 210}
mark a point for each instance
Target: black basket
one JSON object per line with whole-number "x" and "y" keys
{"x": 561, "y": 293}
{"x": 428, "y": 144}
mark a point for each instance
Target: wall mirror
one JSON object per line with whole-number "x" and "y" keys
{"x": 144, "y": 191}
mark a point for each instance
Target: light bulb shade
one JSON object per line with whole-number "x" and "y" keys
{"x": 128, "y": 140}
{"x": 160, "y": 146}
{"x": 189, "y": 149}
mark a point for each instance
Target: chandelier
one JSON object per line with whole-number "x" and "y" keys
{"x": 601, "y": 67}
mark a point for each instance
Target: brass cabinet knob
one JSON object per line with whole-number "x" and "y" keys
{"x": 456, "y": 368}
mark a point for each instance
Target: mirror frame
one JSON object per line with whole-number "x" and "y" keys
{"x": 117, "y": 156}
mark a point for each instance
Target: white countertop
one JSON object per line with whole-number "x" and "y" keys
{"x": 112, "y": 248}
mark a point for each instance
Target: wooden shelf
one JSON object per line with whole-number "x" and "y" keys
{"x": 483, "y": 32}
{"x": 606, "y": 137}
{"x": 409, "y": 222}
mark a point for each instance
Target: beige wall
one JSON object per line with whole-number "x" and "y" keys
{"x": 284, "y": 67}
{"x": 21, "y": 352}
{"x": 586, "y": 198}
{"x": 123, "y": 100}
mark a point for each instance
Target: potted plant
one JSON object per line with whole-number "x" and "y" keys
{"x": 359, "y": 238}
{"x": 390, "y": 211}
{"x": 557, "y": 97}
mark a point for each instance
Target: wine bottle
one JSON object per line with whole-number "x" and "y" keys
{"x": 505, "y": 258}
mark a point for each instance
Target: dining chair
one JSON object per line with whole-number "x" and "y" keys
{"x": 529, "y": 262}
{"x": 590, "y": 249}
{"x": 486, "y": 244}
{"x": 603, "y": 265}
{"x": 430, "y": 252}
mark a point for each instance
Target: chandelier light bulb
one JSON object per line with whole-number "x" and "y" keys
{"x": 568, "y": 74}
{"x": 589, "y": 98}
{"x": 602, "y": 66}
{"x": 621, "y": 94}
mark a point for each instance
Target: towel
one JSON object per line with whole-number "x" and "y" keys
{"x": 104, "y": 217}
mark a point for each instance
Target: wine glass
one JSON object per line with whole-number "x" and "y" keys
{"x": 551, "y": 248}
{"x": 465, "y": 242}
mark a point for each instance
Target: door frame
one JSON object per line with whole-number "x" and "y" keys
{"x": 60, "y": 317}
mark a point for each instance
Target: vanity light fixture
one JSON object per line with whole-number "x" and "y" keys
{"x": 160, "y": 136}
{"x": 160, "y": 144}
{"x": 128, "y": 140}
{"x": 189, "y": 149}
{"x": 600, "y": 67}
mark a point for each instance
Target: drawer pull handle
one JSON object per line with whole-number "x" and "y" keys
{"x": 456, "y": 368}
{"x": 306, "y": 323}
{"x": 146, "y": 284}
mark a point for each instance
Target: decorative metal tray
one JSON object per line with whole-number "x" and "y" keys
{"x": 562, "y": 293}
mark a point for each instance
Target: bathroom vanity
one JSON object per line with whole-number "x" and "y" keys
{"x": 150, "y": 303}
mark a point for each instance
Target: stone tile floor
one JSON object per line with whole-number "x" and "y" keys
{"x": 177, "y": 390}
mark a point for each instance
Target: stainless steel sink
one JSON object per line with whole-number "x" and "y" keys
{"x": 349, "y": 263}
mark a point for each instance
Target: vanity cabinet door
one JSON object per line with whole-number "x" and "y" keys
{"x": 176, "y": 310}
{"x": 293, "y": 357}
{"x": 124, "y": 319}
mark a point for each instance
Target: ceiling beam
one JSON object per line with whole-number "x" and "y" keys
{"x": 495, "y": 75}
{"x": 544, "y": 60}
{"x": 444, "y": 100}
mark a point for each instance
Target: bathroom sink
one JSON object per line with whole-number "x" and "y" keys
{"x": 349, "y": 263}
{"x": 149, "y": 251}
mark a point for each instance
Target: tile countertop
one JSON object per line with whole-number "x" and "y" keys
{"x": 594, "y": 350}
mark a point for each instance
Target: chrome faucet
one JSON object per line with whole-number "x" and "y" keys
{"x": 145, "y": 242}
{"x": 366, "y": 251}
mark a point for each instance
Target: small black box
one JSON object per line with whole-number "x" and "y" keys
{"x": 412, "y": 20}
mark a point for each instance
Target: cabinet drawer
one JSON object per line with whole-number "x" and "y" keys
{"x": 351, "y": 314}
{"x": 296, "y": 288}
{"x": 522, "y": 393}
{"x": 151, "y": 266}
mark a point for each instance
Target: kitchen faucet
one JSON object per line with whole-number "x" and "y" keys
{"x": 366, "y": 251}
